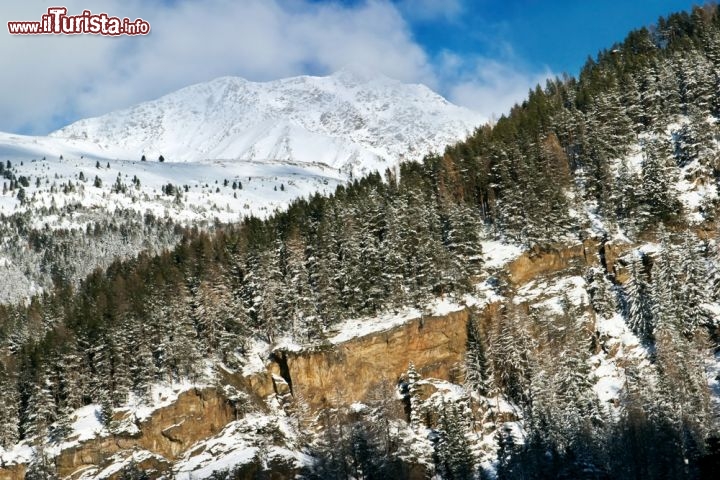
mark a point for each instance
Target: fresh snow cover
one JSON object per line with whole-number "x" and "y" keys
{"x": 254, "y": 361}
{"x": 19, "y": 453}
{"x": 360, "y": 327}
{"x": 549, "y": 294}
{"x": 238, "y": 443}
{"x": 713, "y": 377}
{"x": 497, "y": 254}
{"x": 616, "y": 331}
{"x": 445, "y": 391}
{"x": 610, "y": 379}
{"x": 161, "y": 395}
{"x": 86, "y": 424}
{"x": 693, "y": 195}
{"x": 608, "y": 369}
{"x": 358, "y": 407}
{"x": 209, "y": 196}
{"x": 119, "y": 462}
{"x": 348, "y": 121}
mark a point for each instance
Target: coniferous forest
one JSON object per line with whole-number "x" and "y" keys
{"x": 604, "y": 155}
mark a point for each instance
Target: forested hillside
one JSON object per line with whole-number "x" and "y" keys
{"x": 627, "y": 154}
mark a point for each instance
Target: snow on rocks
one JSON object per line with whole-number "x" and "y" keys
{"x": 497, "y": 254}
{"x": 240, "y": 442}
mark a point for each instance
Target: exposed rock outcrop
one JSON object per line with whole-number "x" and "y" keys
{"x": 196, "y": 415}
{"x": 347, "y": 372}
{"x": 552, "y": 259}
{"x": 331, "y": 375}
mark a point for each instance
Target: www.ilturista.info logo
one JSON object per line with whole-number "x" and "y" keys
{"x": 58, "y": 22}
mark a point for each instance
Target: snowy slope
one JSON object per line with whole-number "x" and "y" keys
{"x": 349, "y": 122}
{"x": 233, "y": 149}
{"x": 297, "y": 136}
{"x": 206, "y": 190}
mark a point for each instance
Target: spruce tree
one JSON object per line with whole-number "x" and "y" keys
{"x": 640, "y": 316}
{"x": 477, "y": 370}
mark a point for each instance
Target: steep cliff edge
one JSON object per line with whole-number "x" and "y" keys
{"x": 337, "y": 375}
{"x": 345, "y": 373}
{"x": 334, "y": 375}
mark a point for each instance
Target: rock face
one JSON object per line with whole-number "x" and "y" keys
{"x": 13, "y": 472}
{"x": 552, "y": 259}
{"x": 348, "y": 372}
{"x": 337, "y": 375}
{"x": 196, "y": 415}
{"x": 334, "y": 375}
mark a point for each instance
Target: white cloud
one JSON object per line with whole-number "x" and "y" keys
{"x": 492, "y": 86}
{"x": 49, "y": 80}
{"x": 191, "y": 41}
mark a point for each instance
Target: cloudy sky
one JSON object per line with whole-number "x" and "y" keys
{"x": 483, "y": 54}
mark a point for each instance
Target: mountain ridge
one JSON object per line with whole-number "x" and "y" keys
{"x": 348, "y": 121}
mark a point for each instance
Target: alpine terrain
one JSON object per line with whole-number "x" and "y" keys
{"x": 538, "y": 301}
{"x": 211, "y": 153}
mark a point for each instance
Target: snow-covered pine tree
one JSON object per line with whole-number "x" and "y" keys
{"x": 42, "y": 466}
{"x": 510, "y": 354}
{"x": 657, "y": 194}
{"x": 462, "y": 239}
{"x": 42, "y": 410}
{"x": 477, "y": 370}
{"x": 693, "y": 292}
{"x": 305, "y": 320}
{"x": 625, "y": 198}
{"x": 9, "y": 419}
{"x": 455, "y": 459}
{"x": 640, "y": 316}
{"x": 694, "y": 141}
{"x": 600, "y": 290}
{"x": 413, "y": 377}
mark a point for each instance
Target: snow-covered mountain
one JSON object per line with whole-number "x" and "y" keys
{"x": 233, "y": 148}
{"x": 347, "y": 121}
{"x": 295, "y": 136}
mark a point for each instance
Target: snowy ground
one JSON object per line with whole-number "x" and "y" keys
{"x": 240, "y": 443}
{"x": 206, "y": 189}
{"x": 86, "y": 423}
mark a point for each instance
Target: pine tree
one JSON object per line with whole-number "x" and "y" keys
{"x": 414, "y": 398}
{"x": 510, "y": 354}
{"x": 625, "y": 197}
{"x": 692, "y": 292}
{"x": 602, "y": 297}
{"x": 477, "y": 370}
{"x": 694, "y": 140}
{"x": 640, "y": 317}
{"x": 42, "y": 467}
{"x": 9, "y": 419}
{"x": 42, "y": 410}
{"x": 455, "y": 459}
{"x": 657, "y": 192}
{"x": 462, "y": 239}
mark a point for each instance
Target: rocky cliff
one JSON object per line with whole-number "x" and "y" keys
{"x": 329, "y": 376}
{"x": 344, "y": 373}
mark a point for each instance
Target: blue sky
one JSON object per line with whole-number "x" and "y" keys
{"x": 483, "y": 54}
{"x": 558, "y": 34}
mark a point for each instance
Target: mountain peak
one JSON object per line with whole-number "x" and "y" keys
{"x": 352, "y": 120}
{"x": 354, "y": 75}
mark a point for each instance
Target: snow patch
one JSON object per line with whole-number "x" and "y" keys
{"x": 497, "y": 254}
